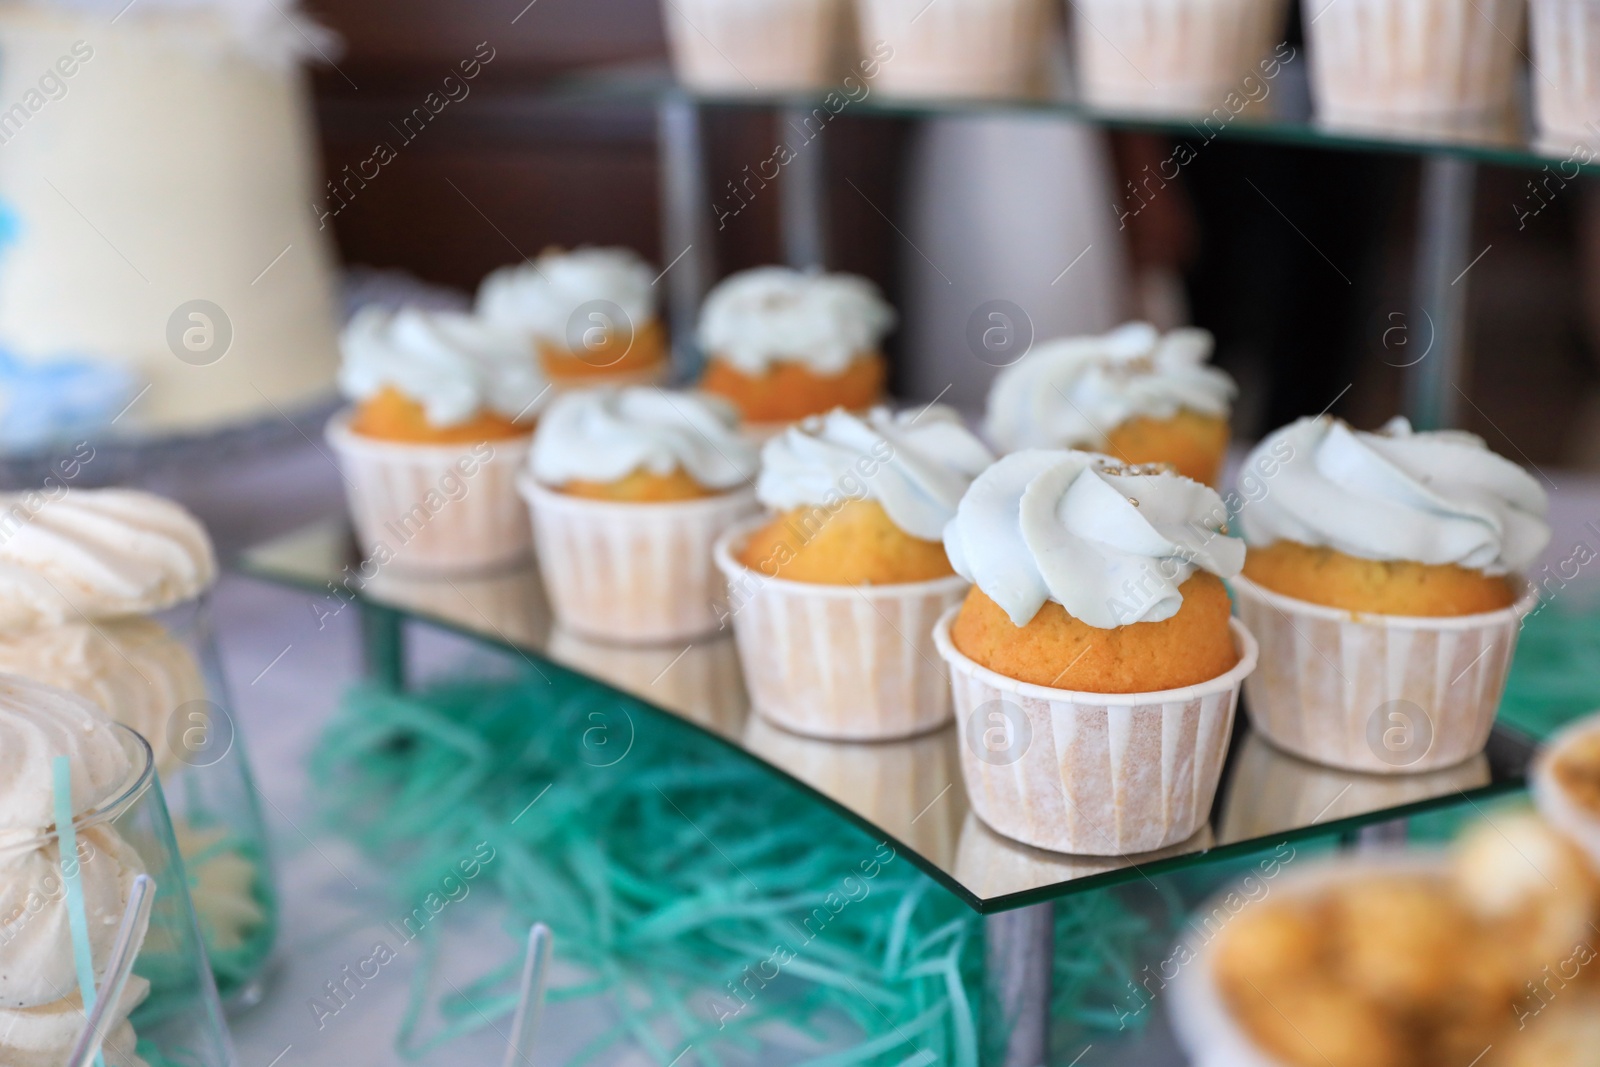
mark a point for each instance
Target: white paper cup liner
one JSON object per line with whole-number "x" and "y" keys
{"x": 1271, "y": 792}
{"x": 1204, "y": 1027}
{"x": 953, "y": 48}
{"x": 1371, "y": 58}
{"x": 1374, "y": 693}
{"x": 438, "y": 508}
{"x": 1575, "y": 822}
{"x": 1176, "y": 56}
{"x": 700, "y": 683}
{"x": 633, "y": 572}
{"x": 1566, "y": 70}
{"x": 1096, "y": 774}
{"x": 839, "y": 661}
{"x": 991, "y": 865}
{"x": 755, "y": 46}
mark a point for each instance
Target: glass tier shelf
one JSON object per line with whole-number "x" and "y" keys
{"x": 1284, "y": 114}
{"x": 910, "y": 791}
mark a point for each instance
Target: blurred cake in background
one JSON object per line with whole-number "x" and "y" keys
{"x": 164, "y": 249}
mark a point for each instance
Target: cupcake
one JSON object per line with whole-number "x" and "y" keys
{"x": 1566, "y": 783}
{"x": 1094, "y": 662}
{"x": 1132, "y": 393}
{"x": 959, "y": 48}
{"x": 1382, "y": 581}
{"x": 782, "y": 344}
{"x": 1418, "y": 64}
{"x": 1182, "y": 57}
{"x": 590, "y": 314}
{"x": 833, "y": 596}
{"x": 1398, "y": 960}
{"x": 444, "y": 404}
{"x": 628, "y": 489}
{"x": 1566, "y": 87}
{"x": 755, "y": 46}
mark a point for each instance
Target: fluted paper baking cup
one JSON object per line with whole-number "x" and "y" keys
{"x": 992, "y": 866}
{"x": 1577, "y": 823}
{"x": 633, "y": 572}
{"x": 1096, "y": 774}
{"x": 1174, "y": 56}
{"x": 1383, "y": 694}
{"x": 956, "y": 48}
{"x": 1206, "y": 1030}
{"x": 755, "y": 46}
{"x": 1566, "y": 62}
{"x": 839, "y": 661}
{"x": 1412, "y": 58}
{"x": 434, "y": 508}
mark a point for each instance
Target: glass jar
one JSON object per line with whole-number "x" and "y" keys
{"x": 170, "y": 1011}
{"x": 161, "y": 675}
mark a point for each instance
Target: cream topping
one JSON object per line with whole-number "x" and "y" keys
{"x": 770, "y": 315}
{"x": 1437, "y": 498}
{"x": 915, "y": 464}
{"x": 1073, "y": 392}
{"x": 454, "y": 364}
{"x": 97, "y": 553}
{"x": 539, "y": 299}
{"x": 38, "y": 724}
{"x": 42, "y": 1036}
{"x": 1109, "y": 543}
{"x": 606, "y": 434}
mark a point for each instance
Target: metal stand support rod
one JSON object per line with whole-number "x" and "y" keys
{"x": 687, "y": 250}
{"x": 1019, "y": 955}
{"x": 802, "y": 192}
{"x": 1444, "y": 255}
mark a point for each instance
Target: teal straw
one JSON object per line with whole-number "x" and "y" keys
{"x": 77, "y": 914}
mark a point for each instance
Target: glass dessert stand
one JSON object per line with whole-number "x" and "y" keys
{"x": 909, "y": 792}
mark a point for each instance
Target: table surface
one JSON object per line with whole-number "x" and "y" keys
{"x": 286, "y": 673}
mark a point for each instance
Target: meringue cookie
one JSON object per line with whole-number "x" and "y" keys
{"x": 98, "y": 553}
{"x": 1435, "y": 498}
{"x": 38, "y": 724}
{"x": 915, "y": 464}
{"x": 538, "y": 299}
{"x": 1073, "y": 392}
{"x": 42, "y": 1036}
{"x": 454, "y": 364}
{"x": 603, "y": 435}
{"x": 1110, "y": 543}
{"x": 131, "y": 668}
{"x": 770, "y": 315}
{"x": 36, "y": 961}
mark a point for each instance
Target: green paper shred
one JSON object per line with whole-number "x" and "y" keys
{"x": 1555, "y": 676}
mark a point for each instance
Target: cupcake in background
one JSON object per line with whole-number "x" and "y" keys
{"x": 628, "y": 489}
{"x": 783, "y": 344}
{"x": 1134, "y": 394}
{"x": 755, "y": 46}
{"x": 833, "y": 596}
{"x": 1566, "y": 89}
{"x": 1429, "y": 66}
{"x": 1566, "y": 783}
{"x": 443, "y": 406}
{"x": 1095, "y": 651}
{"x": 959, "y": 48}
{"x": 1183, "y": 57}
{"x": 1383, "y": 581}
{"x": 590, "y": 314}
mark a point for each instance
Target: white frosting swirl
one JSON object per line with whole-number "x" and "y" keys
{"x": 42, "y": 1036}
{"x": 915, "y": 464}
{"x": 1073, "y": 392}
{"x": 606, "y": 434}
{"x": 97, "y": 553}
{"x": 776, "y": 315}
{"x": 1109, "y": 543}
{"x": 454, "y": 364}
{"x": 38, "y": 724}
{"x": 538, "y": 299}
{"x": 1434, "y": 498}
{"x": 36, "y": 963}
